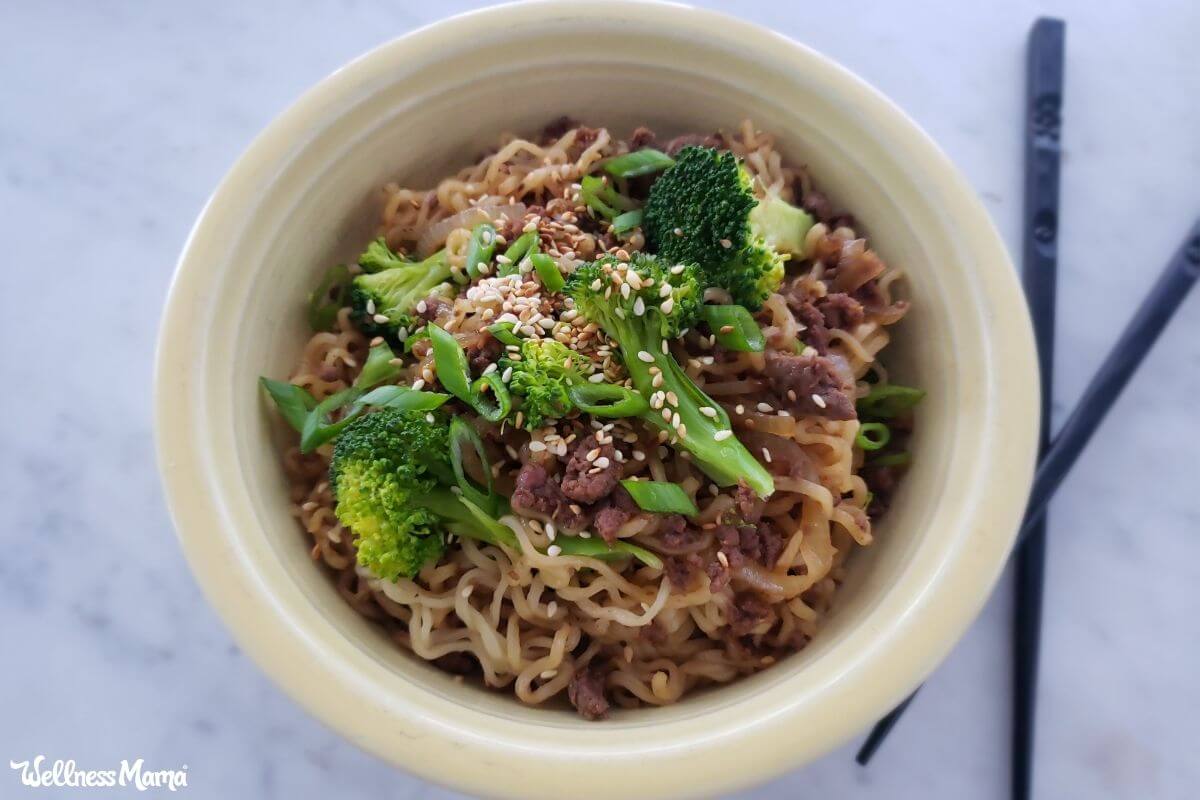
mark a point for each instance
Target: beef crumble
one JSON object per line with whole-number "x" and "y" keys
{"x": 592, "y": 471}
{"x": 813, "y": 382}
{"x": 586, "y": 693}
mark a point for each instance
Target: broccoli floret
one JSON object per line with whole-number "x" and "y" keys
{"x": 542, "y": 377}
{"x": 641, "y": 319}
{"x": 382, "y": 299}
{"x": 703, "y": 210}
{"x": 389, "y": 473}
{"x": 597, "y": 193}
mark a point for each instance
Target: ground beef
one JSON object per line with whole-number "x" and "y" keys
{"x": 746, "y": 612}
{"x": 457, "y": 663}
{"x": 718, "y": 575}
{"x": 817, "y": 204}
{"x": 483, "y": 349}
{"x": 806, "y": 377}
{"x": 715, "y": 140}
{"x": 642, "y": 137}
{"x": 674, "y": 533}
{"x": 590, "y": 480}
{"x": 682, "y": 570}
{"x": 434, "y": 307}
{"x": 618, "y": 510}
{"x": 840, "y": 310}
{"x": 556, "y": 128}
{"x": 882, "y": 483}
{"x": 536, "y": 493}
{"x": 749, "y": 504}
{"x": 815, "y": 334}
{"x": 761, "y": 543}
{"x": 586, "y": 693}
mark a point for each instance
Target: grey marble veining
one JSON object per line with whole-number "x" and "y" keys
{"x": 116, "y": 121}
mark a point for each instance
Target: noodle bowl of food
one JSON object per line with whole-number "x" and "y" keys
{"x": 658, "y": 414}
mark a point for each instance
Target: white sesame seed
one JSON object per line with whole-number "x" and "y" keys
{"x": 766, "y": 455}
{"x": 602, "y": 462}
{"x": 708, "y": 411}
{"x": 553, "y": 550}
{"x": 675, "y": 420}
{"x": 726, "y": 244}
{"x": 666, "y": 415}
{"x": 818, "y": 401}
{"x": 506, "y": 376}
{"x": 724, "y": 559}
{"x": 429, "y": 418}
{"x": 418, "y": 384}
{"x": 721, "y": 436}
{"x": 682, "y": 430}
{"x": 678, "y": 231}
{"x": 678, "y": 269}
{"x": 489, "y": 369}
{"x": 657, "y": 380}
{"x": 625, "y": 290}
{"x": 646, "y": 357}
{"x": 597, "y": 378}
{"x": 536, "y": 446}
{"x": 551, "y": 608}
{"x": 666, "y": 350}
{"x": 639, "y": 306}
{"x": 672, "y": 398}
{"x": 667, "y": 305}
{"x": 739, "y": 409}
{"x": 765, "y": 408}
{"x": 370, "y": 306}
{"x": 380, "y": 318}
{"x": 551, "y": 531}
{"x": 593, "y": 454}
{"x": 503, "y": 259}
{"x": 638, "y": 455}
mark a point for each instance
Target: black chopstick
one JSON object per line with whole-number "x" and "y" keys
{"x": 1043, "y": 121}
{"x": 1122, "y": 361}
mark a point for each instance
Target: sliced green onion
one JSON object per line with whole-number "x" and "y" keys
{"x": 492, "y": 411}
{"x": 607, "y": 400}
{"x": 403, "y": 398}
{"x": 888, "y": 400}
{"x": 901, "y": 459}
{"x": 517, "y": 251}
{"x": 379, "y": 367}
{"x": 639, "y": 162}
{"x": 481, "y": 248}
{"x": 421, "y": 334}
{"x": 547, "y": 270}
{"x": 873, "y": 436}
{"x": 318, "y": 429}
{"x": 462, "y": 436}
{"x": 469, "y": 521}
{"x": 734, "y": 328}
{"x": 331, "y": 294}
{"x": 599, "y": 195}
{"x": 503, "y": 332}
{"x": 598, "y": 548}
{"x": 294, "y": 402}
{"x": 450, "y": 363}
{"x": 661, "y": 497}
{"x": 627, "y": 221}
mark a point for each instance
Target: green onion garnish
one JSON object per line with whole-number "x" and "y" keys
{"x": 516, "y": 251}
{"x": 901, "y": 459}
{"x": 598, "y": 548}
{"x": 318, "y": 429}
{"x": 294, "y": 402}
{"x": 503, "y": 332}
{"x": 329, "y": 297}
{"x": 627, "y": 221}
{"x": 607, "y": 400}
{"x": 873, "y": 436}
{"x": 734, "y": 328}
{"x": 481, "y": 248}
{"x": 547, "y": 270}
{"x": 639, "y": 162}
{"x": 403, "y": 398}
{"x": 491, "y": 410}
{"x": 888, "y": 400}
{"x": 450, "y": 363}
{"x": 379, "y": 367}
{"x": 597, "y": 194}
{"x": 462, "y": 436}
{"x": 661, "y": 497}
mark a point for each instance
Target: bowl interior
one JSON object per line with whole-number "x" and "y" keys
{"x": 423, "y": 108}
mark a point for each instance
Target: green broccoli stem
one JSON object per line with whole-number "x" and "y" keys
{"x": 464, "y": 518}
{"x": 724, "y": 460}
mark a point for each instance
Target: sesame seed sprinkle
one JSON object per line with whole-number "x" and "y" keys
{"x": 818, "y": 401}
{"x": 645, "y": 357}
{"x": 721, "y": 436}
{"x": 708, "y": 411}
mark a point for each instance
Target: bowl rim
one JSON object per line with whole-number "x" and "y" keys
{"x": 912, "y": 650}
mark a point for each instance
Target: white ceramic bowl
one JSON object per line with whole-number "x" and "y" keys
{"x": 413, "y": 109}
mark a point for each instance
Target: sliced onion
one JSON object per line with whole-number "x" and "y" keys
{"x": 434, "y": 236}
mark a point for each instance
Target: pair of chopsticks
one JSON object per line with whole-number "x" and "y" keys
{"x": 1043, "y": 118}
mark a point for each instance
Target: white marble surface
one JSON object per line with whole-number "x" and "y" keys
{"x": 117, "y": 119}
